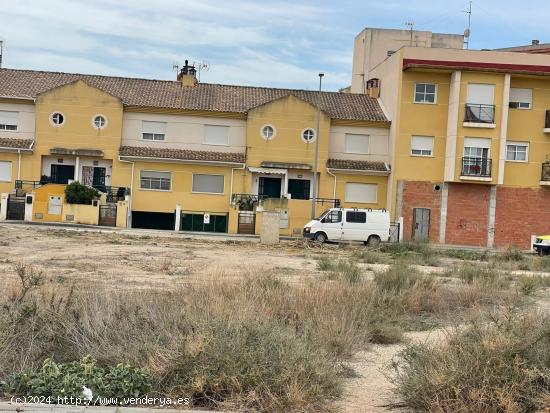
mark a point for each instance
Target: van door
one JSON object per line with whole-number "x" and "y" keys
{"x": 421, "y": 224}
{"x": 355, "y": 226}
{"x": 331, "y": 225}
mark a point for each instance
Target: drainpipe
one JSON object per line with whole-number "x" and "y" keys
{"x": 334, "y": 186}
{"x": 19, "y": 165}
{"x": 129, "y": 213}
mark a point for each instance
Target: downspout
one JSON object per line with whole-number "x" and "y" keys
{"x": 129, "y": 214}
{"x": 19, "y": 165}
{"x": 334, "y": 185}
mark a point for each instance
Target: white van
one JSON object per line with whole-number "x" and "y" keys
{"x": 350, "y": 224}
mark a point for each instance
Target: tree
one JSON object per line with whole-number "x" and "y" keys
{"x": 76, "y": 193}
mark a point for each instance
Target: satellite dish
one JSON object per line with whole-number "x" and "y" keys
{"x": 204, "y": 66}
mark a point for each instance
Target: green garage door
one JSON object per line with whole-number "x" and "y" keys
{"x": 196, "y": 222}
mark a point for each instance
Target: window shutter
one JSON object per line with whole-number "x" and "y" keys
{"x": 216, "y": 135}
{"x": 213, "y": 184}
{"x": 477, "y": 143}
{"x": 366, "y": 193}
{"x": 5, "y": 171}
{"x": 480, "y": 94}
{"x": 521, "y": 95}
{"x": 356, "y": 143}
{"x": 154, "y": 127}
{"x": 9, "y": 118}
{"x": 423, "y": 143}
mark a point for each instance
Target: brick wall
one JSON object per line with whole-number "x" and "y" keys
{"x": 467, "y": 214}
{"x": 420, "y": 194}
{"x": 520, "y": 213}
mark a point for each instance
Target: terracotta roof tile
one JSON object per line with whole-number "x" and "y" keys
{"x": 204, "y": 96}
{"x": 357, "y": 165}
{"x": 181, "y": 154}
{"x": 16, "y": 143}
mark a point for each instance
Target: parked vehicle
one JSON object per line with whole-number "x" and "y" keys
{"x": 350, "y": 224}
{"x": 542, "y": 244}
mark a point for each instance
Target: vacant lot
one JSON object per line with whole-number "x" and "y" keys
{"x": 294, "y": 327}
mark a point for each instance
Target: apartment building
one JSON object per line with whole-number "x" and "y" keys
{"x": 469, "y": 142}
{"x": 188, "y": 155}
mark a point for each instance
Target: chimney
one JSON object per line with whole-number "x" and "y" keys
{"x": 373, "y": 88}
{"x": 188, "y": 75}
{"x": 535, "y": 42}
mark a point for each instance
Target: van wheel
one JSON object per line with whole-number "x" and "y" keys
{"x": 373, "y": 241}
{"x": 320, "y": 237}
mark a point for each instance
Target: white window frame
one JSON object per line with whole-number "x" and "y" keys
{"x": 155, "y": 137}
{"x": 10, "y": 169}
{"x": 4, "y": 125}
{"x": 97, "y": 115}
{"x": 313, "y": 137}
{"x": 266, "y": 137}
{"x": 154, "y": 189}
{"x": 226, "y": 127}
{"x": 347, "y": 150}
{"x": 424, "y": 102}
{"x": 360, "y": 202}
{"x": 517, "y": 144}
{"x": 519, "y": 103}
{"x": 57, "y": 125}
{"x": 207, "y": 193}
{"x": 422, "y": 154}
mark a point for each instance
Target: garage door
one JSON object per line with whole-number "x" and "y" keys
{"x": 153, "y": 220}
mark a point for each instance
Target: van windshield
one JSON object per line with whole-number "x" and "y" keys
{"x": 324, "y": 214}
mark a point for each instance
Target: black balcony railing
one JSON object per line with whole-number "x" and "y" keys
{"x": 547, "y": 120}
{"x": 479, "y": 113}
{"x": 113, "y": 193}
{"x": 476, "y": 166}
{"x": 545, "y": 172}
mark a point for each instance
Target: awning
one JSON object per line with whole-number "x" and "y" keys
{"x": 77, "y": 152}
{"x": 285, "y": 165}
{"x": 272, "y": 171}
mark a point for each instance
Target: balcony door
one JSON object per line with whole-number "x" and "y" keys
{"x": 476, "y": 161}
{"x": 60, "y": 174}
{"x": 270, "y": 187}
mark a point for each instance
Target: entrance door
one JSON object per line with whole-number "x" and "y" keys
{"x": 98, "y": 180}
{"x": 270, "y": 187}
{"x": 60, "y": 174}
{"x": 107, "y": 215}
{"x": 421, "y": 224}
{"x": 16, "y": 208}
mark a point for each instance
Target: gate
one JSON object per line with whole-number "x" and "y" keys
{"x": 204, "y": 222}
{"x": 421, "y": 224}
{"x": 246, "y": 222}
{"x": 16, "y": 208}
{"x": 107, "y": 215}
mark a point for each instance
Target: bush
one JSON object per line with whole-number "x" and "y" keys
{"x": 340, "y": 270}
{"x": 498, "y": 365}
{"x": 76, "y": 193}
{"x": 420, "y": 253}
{"x": 67, "y": 380}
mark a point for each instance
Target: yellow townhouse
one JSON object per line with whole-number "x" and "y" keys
{"x": 469, "y": 137}
{"x": 185, "y": 155}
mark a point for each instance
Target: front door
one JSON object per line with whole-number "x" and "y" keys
{"x": 269, "y": 187}
{"x": 98, "y": 180}
{"x": 421, "y": 224}
{"x": 60, "y": 174}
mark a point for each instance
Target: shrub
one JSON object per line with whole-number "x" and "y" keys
{"x": 76, "y": 193}
{"x": 511, "y": 254}
{"x": 370, "y": 256}
{"x": 340, "y": 269}
{"x": 413, "y": 252}
{"x": 67, "y": 380}
{"x": 498, "y": 365}
{"x": 480, "y": 274}
{"x": 465, "y": 255}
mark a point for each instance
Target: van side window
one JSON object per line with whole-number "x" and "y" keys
{"x": 333, "y": 217}
{"x": 356, "y": 217}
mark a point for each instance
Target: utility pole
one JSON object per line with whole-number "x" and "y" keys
{"x": 1, "y": 52}
{"x": 316, "y": 158}
{"x": 468, "y": 31}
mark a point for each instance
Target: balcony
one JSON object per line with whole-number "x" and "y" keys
{"x": 547, "y": 122}
{"x": 476, "y": 169}
{"x": 545, "y": 174}
{"x": 479, "y": 116}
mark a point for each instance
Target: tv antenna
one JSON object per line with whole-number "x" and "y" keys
{"x": 1, "y": 52}
{"x": 467, "y": 32}
{"x": 175, "y": 67}
{"x": 410, "y": 25}
{"x": 203, "y": 66}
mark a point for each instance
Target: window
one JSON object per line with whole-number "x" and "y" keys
{"x": 422, "y": 145}
{"x": 268, "y": 132}
{"x": 299, "y": 188}
{"x": 356, "y": 143}
{"x": 153, "y": 131}
{"x": 480, "y": 94}
{"x": 208, "y": 184}
{"x": 9, "y": 121}
{"x": 308, "y": 135}
{"x": 161, "y": 181}
{"x": 57, "y": 118}
{"x": 216, "y": 135}
{"x": 99, "y": 121}
{"x": 364, "y": 193}
{"x": 477, "y": 147}
{"x": 425, "y": 93}
{"x": 333, "y": 217}
{"x": 521, "y": 98}
{"x": 5, "y": 171}
{"x": 356, "y": 217}
{"x": 517, "y": 151}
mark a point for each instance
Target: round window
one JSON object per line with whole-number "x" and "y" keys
{"x": 268, "y": 132}
{"x": 308, "y": 135}
{"x": 99, "y": 121}
{"x": 57, "y": 118}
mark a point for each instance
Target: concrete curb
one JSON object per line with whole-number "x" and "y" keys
{"x": 8, "y": 407}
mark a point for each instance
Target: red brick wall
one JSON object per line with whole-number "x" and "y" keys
{"x": 520, "y": 213}
{"x": 419, "y": 194}
{"x": 467, "y": 214}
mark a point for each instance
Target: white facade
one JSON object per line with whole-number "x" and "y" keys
{"x": 376, "y": 148}
{"x": 25, "y": 120}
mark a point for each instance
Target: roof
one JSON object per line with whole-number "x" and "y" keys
{"x": 16, "y": 143}
{"x": 534, "y": 48}
{"x": 167, "y": 94}
{"x": 374, "y": 166}
{"x": 181, "y": 154}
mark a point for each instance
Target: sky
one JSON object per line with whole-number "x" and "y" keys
{"x": 280, "y": 43}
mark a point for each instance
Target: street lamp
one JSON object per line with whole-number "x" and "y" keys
{"x": 316, "y": 158}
